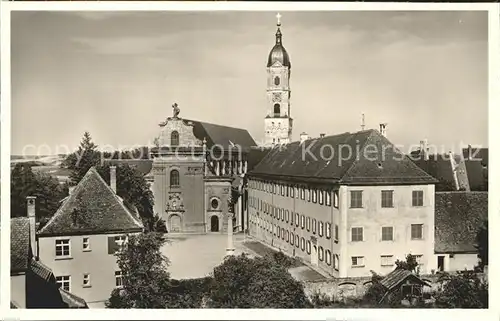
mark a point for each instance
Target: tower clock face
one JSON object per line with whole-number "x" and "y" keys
{"x": 276, "y": 97}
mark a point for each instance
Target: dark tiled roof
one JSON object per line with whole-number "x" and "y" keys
{"x": 396, "y": 277}
{"x": 458, "y": 217}
{"x": 20, "y": 253}
{"x": 41, "y": 270}
{"x": 479, "y": 154}
{"x": 144, "y": 166}
{"x": 364, "y": 157}
{"x": 72, "y": 300}
{"x": 439, "y": 167}
{"x": 255, "y": 155}
{"x": 477, "y": 175}
{"x": 222, "y": 135}
{"x": 92, "y": 208}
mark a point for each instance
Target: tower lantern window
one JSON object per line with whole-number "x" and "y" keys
{"x": 276, "y": 109}
{"x": 276, "y": 81}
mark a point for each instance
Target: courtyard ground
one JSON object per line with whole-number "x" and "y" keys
{"x": 195, "y": 256}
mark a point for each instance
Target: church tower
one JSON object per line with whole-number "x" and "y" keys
{"x": 278, "y": 123}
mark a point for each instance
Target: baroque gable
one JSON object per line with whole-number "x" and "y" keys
{"x": 186, "y": 137}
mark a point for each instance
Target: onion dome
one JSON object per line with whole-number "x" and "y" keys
{"x": 278, "y": 53}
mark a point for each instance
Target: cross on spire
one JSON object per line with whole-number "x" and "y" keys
{"x": 278, "y": 16}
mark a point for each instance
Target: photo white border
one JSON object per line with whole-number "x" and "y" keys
{"x": 235, "y": 314}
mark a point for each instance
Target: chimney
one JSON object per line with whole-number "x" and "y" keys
{"x": 426, "y": 150}
{"x": 32, "y": 220}
{"x": 469, "y": 149}
{"x": 383, "y": 130}
{"x": 424, "y": 153}
{"x": 303, "y": 137}
{"x": 322, "y": 135}
{"x": 112, "y": 177}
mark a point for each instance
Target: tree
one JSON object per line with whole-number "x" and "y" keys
{"x": 46, "y": 189}
{"x": 83, "y": 159}
{"x": 409, "y": 264}
{"x": 376, "y": 291}
{"x": 482, "y": 244}
{"x": 130, "y": 184}
{"x": 463, "y": 290}
{"x": 244, "y": 282}
{"x": 144, "y": 270}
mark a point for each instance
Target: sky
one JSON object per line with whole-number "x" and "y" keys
{"x": 116, "y": 74}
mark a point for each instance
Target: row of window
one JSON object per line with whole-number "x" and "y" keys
{"x": 63, "y": 246}
{"x": 385, "y": 260}
{"x": 325, "y": 197}
{"x": 305, "y": 222}
{"x": 322, "y": 197}
{"x": 310, "y": 224}
{"x": 300, "y": 243}
{"x": 64, "y": 281}
{"x": 387, "y": 198}
{"x": 417, "y": 233}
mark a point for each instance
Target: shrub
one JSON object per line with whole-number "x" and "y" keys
{"x": 243, "y": 282}
{"x": 463, "y": 290}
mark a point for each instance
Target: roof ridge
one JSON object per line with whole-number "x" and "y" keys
{"x": 67, "y": 198}
{"x": 118, "y": 198}
{"x": 92, "y": 171}
{"x": 213, "y": 124}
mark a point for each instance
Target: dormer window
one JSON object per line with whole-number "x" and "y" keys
{"x": 174, "y": 138}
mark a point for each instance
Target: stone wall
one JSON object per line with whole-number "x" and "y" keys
{"x": 356, "y": 287}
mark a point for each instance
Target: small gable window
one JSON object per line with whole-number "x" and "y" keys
{"x": 115, "y": 243}
{"x": 174, "y": 138}
{"x": 118, "y": 279}
{"x": 417, "y": 198}
{"x": 86, "y": 244}
{"x": 64, "y": 282}
{"x": 86, "y": 280}
{"x": 174, "y": 178}
{"x": 63, "y": 248}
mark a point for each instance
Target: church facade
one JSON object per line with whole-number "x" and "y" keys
{"x": 196, "y": 168}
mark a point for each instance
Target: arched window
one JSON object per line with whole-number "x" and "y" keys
{"x": 174, "y": 138}
{"x": 174, "y": 178}
{"x": 276, "y": 81}
{"x": 276, "y": 109}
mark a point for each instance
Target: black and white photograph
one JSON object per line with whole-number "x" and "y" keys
{"x": 247, "y": 159}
